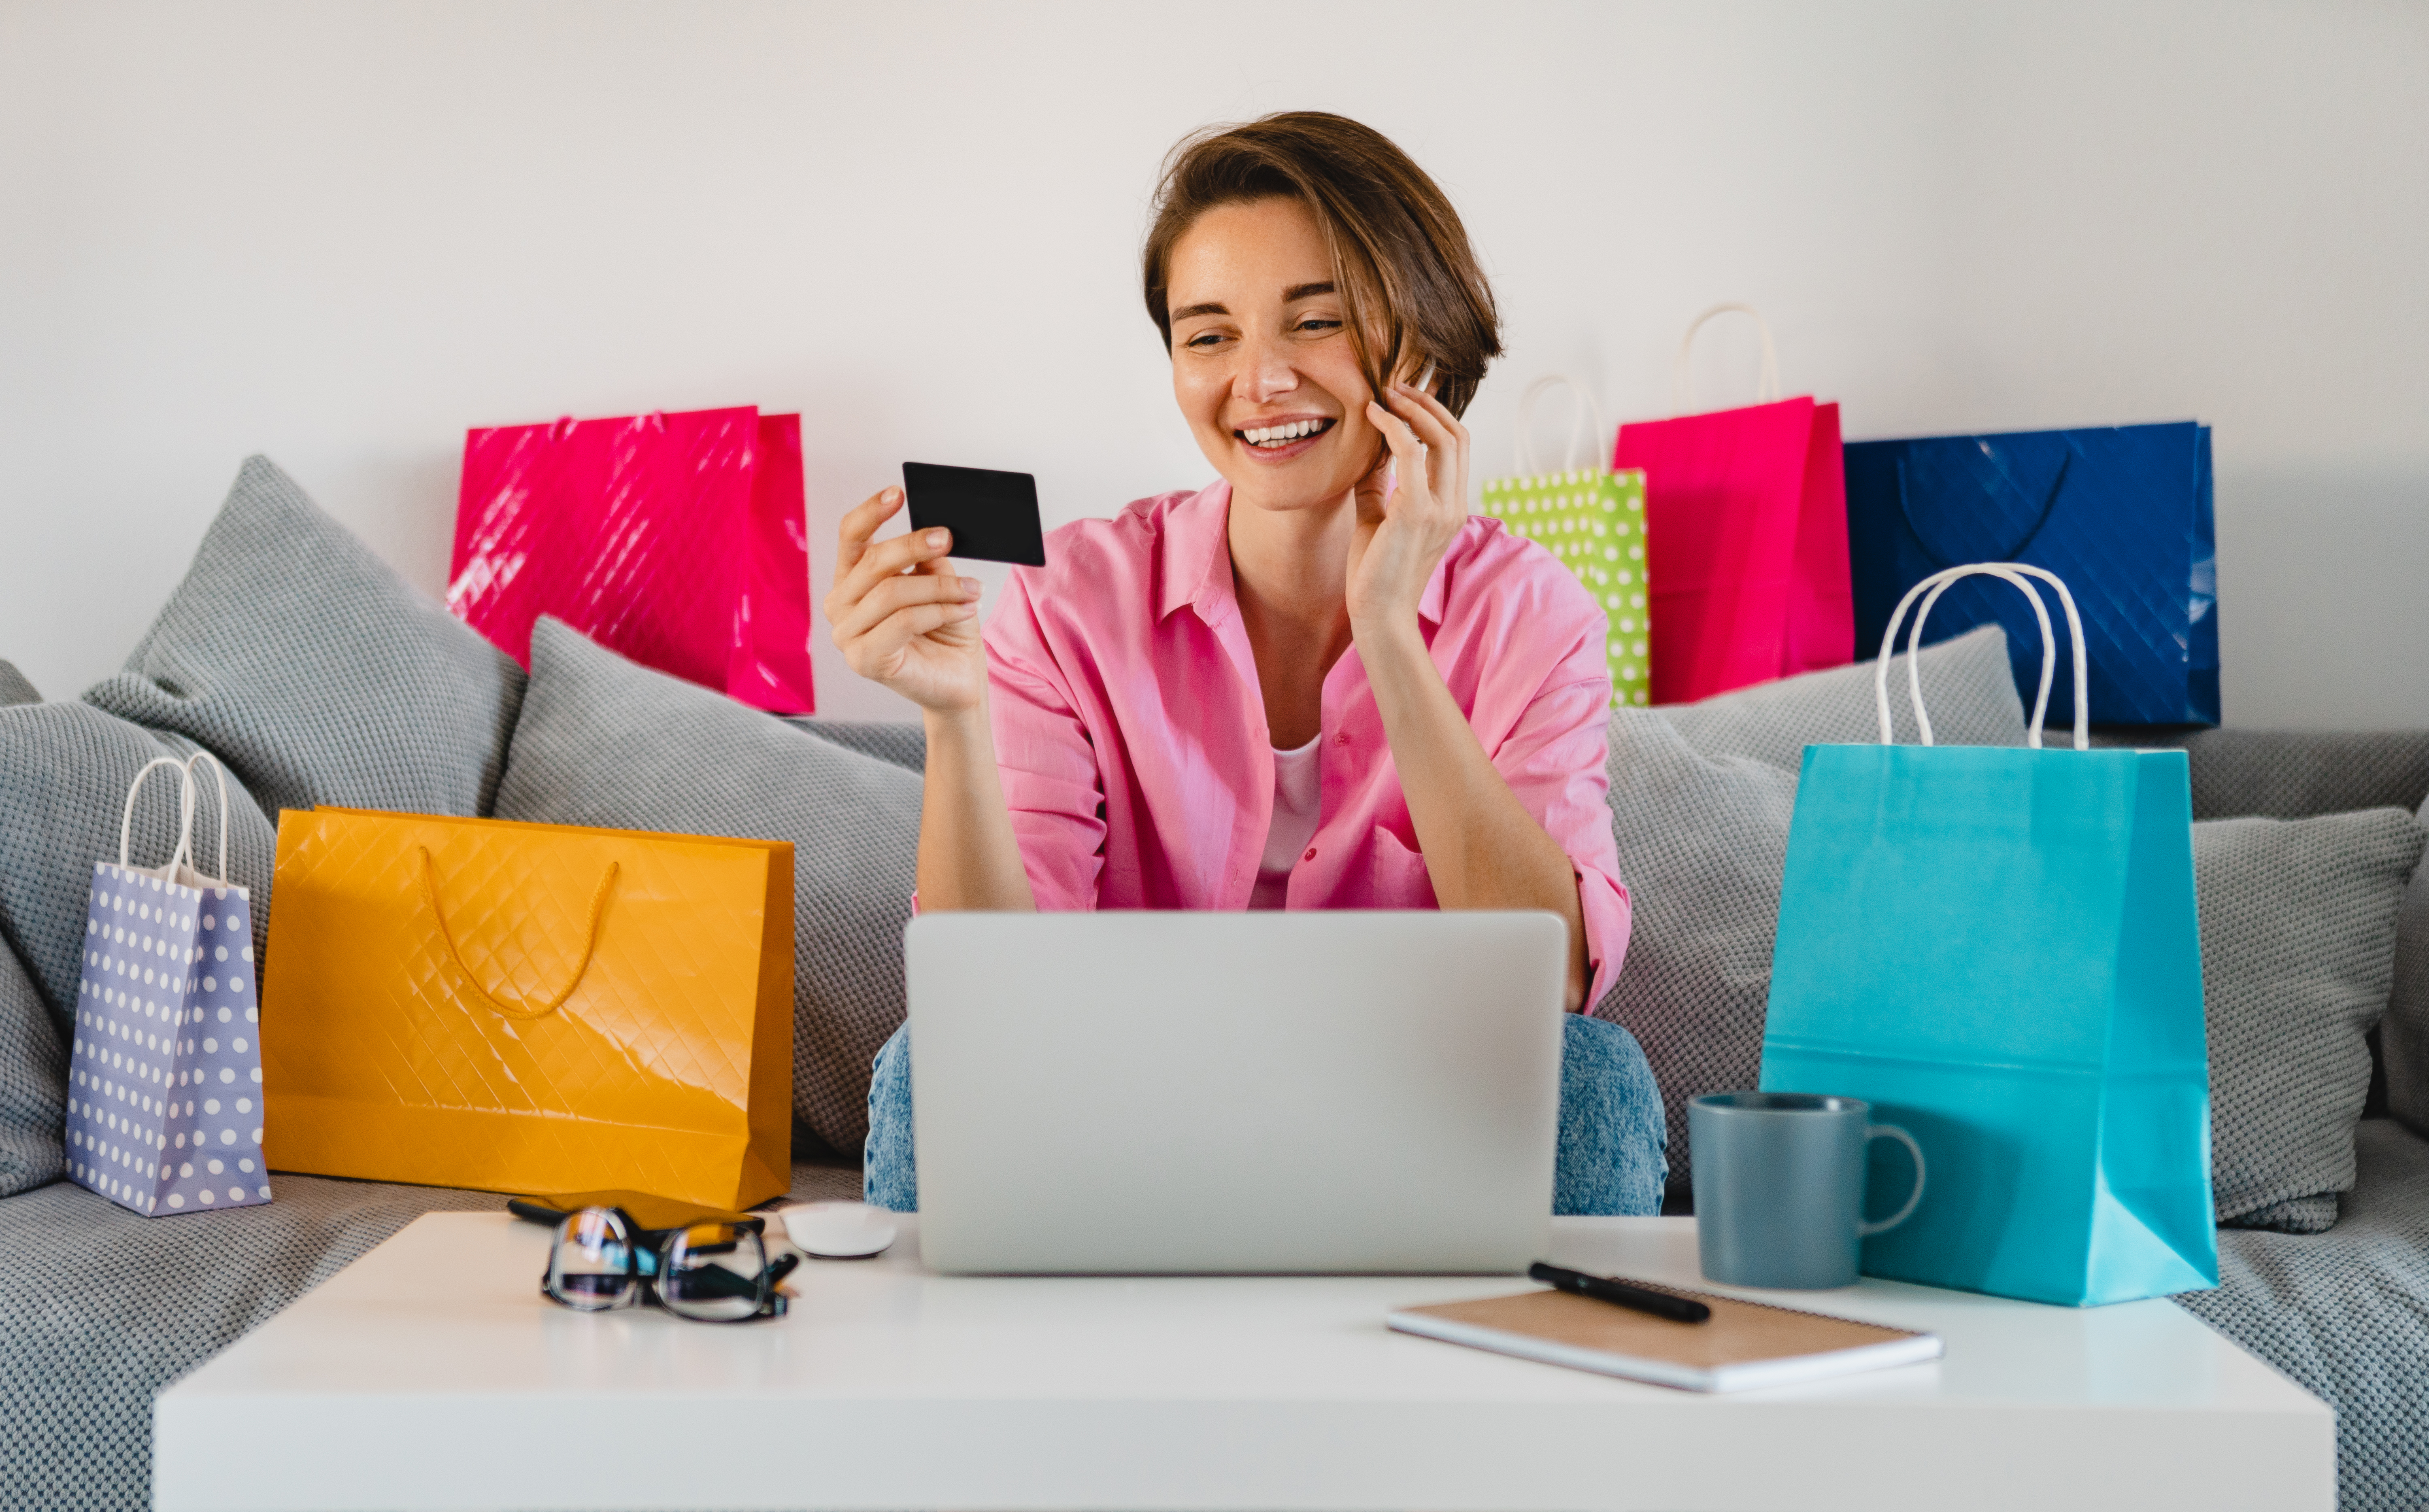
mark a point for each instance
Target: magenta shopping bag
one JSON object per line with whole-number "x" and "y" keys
{"x": 678, "y": 540}
{"x": 1745, "y": 517}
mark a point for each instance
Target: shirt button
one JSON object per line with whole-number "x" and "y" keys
{"x": 1311, "y": 854}
{"x": 1342, "y": 739}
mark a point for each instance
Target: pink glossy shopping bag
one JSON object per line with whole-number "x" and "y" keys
{"x": 678, "y": 540}
{"x": 1746, "y": 540}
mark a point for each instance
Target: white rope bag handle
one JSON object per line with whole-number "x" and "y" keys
{"x": 221, "y": 772}
{"x": 1766, "y": 388}
{"x": 185, "y": 816}
{"x": 1582, "y": 406}
{"x": 1930, "y": 590}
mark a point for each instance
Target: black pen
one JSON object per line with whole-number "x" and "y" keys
{"x": 1603, "y": 1288}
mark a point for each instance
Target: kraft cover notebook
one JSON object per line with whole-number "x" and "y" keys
{"x": 1744, "y": 1345}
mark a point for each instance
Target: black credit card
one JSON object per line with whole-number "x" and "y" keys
{"x": 993, "y": 515}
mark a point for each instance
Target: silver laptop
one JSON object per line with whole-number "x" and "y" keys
{"x": 1132, "y": 1092}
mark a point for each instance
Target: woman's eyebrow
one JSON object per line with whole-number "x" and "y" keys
{"x": 1290, "y": 296}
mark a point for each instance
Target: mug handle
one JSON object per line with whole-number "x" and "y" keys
{"x": 1891, "y": 1131}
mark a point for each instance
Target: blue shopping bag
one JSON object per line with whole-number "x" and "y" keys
{"x": 1998, "y": 948}
{"x": 2122, "y": 512}
{"x": 164, "y": 1073}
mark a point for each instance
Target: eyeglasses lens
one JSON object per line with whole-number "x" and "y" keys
{"x": 593, "y": 1265}
{"x": 713, "y": 1272}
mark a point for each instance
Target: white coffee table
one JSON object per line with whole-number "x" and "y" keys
{"x": 432, "y": 1374}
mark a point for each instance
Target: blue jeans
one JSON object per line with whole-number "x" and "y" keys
{"x": 1612, "y": 1137}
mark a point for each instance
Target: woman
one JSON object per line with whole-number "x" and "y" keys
{"x": 1318, "y": 682}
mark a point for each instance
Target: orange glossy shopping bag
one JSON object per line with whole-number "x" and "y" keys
{"x": 529, "y": 1008}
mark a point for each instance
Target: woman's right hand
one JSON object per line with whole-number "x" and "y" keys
{"x": 902, "y": 616}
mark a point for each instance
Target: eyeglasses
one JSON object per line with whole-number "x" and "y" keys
{"x": 710, "y": 1272}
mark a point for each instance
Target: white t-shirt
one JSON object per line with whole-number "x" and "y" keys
{"x": 1299, "y": 792}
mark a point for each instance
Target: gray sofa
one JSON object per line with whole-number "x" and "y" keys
{"x": 291, "y": 652}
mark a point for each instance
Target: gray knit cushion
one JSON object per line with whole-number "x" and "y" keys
{"x": 33, "y": 1084}
{"x": 100, "y": 1308}
{"x": 900, "y": 744}
{"x": 314, "y": 671}
{"x": 2290, "y": 774}
{"x": 2346, "y": 1314}
{"x": 605, "y": 742}
{"x": 1701, "y": 842}
{"x": 13, "y": 687}
{"x": 2404, "y": 1036}
{"x": 64, "y": 770}
{"x": 2298, "y": 947}
{"x": 1968, "y": 690}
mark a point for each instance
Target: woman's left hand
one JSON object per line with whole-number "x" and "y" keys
{"x": 1409, "y": 510}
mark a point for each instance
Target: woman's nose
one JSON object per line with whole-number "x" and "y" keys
{"x": 1264, "y": 372}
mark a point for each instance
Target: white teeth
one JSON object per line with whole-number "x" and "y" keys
{"x": 1292, "y": 432}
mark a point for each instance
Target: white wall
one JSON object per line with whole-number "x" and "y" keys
{"x": 342, "y": 234}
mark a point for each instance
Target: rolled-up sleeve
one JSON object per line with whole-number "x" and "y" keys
{"x": 1047, "y": 762}
{"x": 1553, "y": 759}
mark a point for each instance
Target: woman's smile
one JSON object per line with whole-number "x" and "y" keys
{"x": 1283, "y": 438}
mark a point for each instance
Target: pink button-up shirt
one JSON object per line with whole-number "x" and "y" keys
{"x": 1131, "y": 728}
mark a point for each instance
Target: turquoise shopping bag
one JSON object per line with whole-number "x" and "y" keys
{"x": 1999, "y": 950}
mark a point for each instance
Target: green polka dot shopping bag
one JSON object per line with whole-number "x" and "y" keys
{"x": 1592, "y": 518}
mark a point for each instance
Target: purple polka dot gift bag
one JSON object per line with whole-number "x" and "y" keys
{"x": 164, "y": 1086}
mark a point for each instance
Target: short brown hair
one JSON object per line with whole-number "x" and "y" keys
{"x": 1408, "y": 279}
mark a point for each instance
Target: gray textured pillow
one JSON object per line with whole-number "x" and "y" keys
{"x": 33, "y": 1084}
{"x": 604, "y": 742}
{"x": 13, "y": 687}
{"x": 2295, "y": 774}
{"x": 1968, "y": 689}
{"x": 2404, "y": 1039}
{"x": 314, "y": 671}
{"x": 2298, "y": 950}
{"x": 897, "y": 744}
{"x": 1701, "y": 843}
{"x": 64, "y": 768}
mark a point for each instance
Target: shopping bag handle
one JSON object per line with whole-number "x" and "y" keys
{"x": 1766, "y": 389}
{"x": 185, "y": 814}
{"x": 517, "y": 1009}
{"x": 1930, "y": 590}
{"x": 2016, "y": 548}
{"x": 221, "y": 772}
{"x": 1582, "y": 405}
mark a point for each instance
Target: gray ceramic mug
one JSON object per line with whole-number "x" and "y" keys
{"x": 1779, "y": 1186}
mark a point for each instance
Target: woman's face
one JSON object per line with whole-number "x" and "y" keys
{"x": 1261, "y": 361}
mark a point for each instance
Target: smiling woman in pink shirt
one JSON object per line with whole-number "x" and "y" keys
{"x": 1318, "y": 682}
